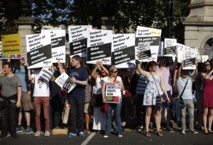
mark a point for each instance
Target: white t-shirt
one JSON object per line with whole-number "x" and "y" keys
{"x": 41, "y": 87}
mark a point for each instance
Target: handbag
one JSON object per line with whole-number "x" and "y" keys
{"x": 96, "y": 100}
{"x": 104, "y": 107}
{"x": 65, "y": 113}
{"x": 158, "y": 97}
{"x": 182, "y": 104}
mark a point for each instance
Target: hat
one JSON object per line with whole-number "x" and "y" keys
{"x": 111, "y": 68}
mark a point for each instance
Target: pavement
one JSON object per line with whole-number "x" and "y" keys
{"x": 129, "y": 138}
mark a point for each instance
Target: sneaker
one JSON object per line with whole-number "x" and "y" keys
{"x": 47, "y": 133}
{"x": 106, "y": 136}
{"x": 28, "y": 130}
{"x": 2, "y": 136}
{"x": 14, "y": 135}
{"x": 139, "y": 128}
{"x": 169, "y": 129}
{"x": 38, "y": 133}
{"x": 19, "y": 129}
{"x": 183, "y": 132}
{"x": 81, "y": 134}
{"x": 120, "y": 135}
{"x": 69, "y": 135}
{"x": 194, "y": 132}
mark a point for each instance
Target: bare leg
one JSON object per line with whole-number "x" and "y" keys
{"x": 27, "y": 117}
{"x": 210, "y": 119}
{"x": 19, "y": 118}
{"x": 205, "y": 114}
{"x": 87, "y": 118}
{"x": 148, "y": 116}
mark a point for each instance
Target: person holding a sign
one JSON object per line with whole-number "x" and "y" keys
{"x": 98, "y": 73}
{"x": 76, "y": 98}
{"x": 208, "y": 96}
{"x": 10, "y": 100}
{"x": 184, "y": 87}
{"x": 112, "y": 89}
{"x": 153, "y": 95}
{"x": 41, "y": 96}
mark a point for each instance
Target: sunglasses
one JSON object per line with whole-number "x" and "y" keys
{"x": 207, "y": 64}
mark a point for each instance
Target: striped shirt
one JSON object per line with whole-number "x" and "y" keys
{"x": 141, "y": 85}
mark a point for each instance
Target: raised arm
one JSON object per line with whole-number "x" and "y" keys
{"x": 60, "y": 67}
{"x": 173, "y": 66}
{"x": 94, "y": 74}
{"x": 141, "y": 71}
{"x": 207, "y": 76}
{"x": 179, "y": 71}
{"x": 102, "y": 67}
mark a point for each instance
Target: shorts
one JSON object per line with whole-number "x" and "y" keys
{"x": 26, "y": 103}
{"x": 170, "y": 104}
{"x": 199, "y": 98}
{"x": 87, "y": 108}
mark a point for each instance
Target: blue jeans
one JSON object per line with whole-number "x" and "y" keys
{"x": 117, "y": 115}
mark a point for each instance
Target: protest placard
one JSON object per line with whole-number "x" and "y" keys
{"x": 181, "y": 50}
{"x": 123, "y": 50}
{"x": 190, "y": 56}
{"x": 46, "y": 73}
{"x": 39, "y": 52}
{"x": 78, "y": 37}
{"x": 170, "y": 47}
{"x": 113, "y": 92}
{"x": 151, "y": 35}
{"x": 64, "y": 82}
{"x": 58, "y": 40}
{"x": 11, "y": 44}
{"x": 99, "y": 46}
{"x": 144, "y": 52}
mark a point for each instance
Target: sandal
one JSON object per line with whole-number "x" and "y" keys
{"x": 148, "y": 134}
{"x": 159, "y": 133}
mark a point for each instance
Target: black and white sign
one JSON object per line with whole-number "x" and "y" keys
{"x": 190, "y": 58}
{"x": 169, "y": 47}
{"x": 123, "y": 50}
{"x": 58, "y": 40}
{"x": 151, "y": 35}
{"x": 46, "y": 73}
{"x": 144, "y": 52}
{"x": 39, "y": 52}
{"x": 99, "y": 46}
{"x": 78, "y": 37}
{"x": 113, "y": 92}
{"x": 64, "y": 82}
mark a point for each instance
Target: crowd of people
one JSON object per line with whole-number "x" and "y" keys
{"x": 143, "y": 92}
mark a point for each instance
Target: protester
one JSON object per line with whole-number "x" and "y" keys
{"x": 99, "y": 118}
{"x": 56, "y": 100}
{"x": 141, "y": 85}
{"x": 20, "y": 70}
{"x": 113, "y": 78}
{"x": 165, "y": 71}
{"x": 10, "y": 100}
{"x": 76, "y": 98}
{"x": 41, "y": 96}
{"x": 87, "y": 104}
{"x": 155, "y": 88}
{"x": 208, "y": 96}
{"x": 126, "y": 76}
{"x": 199, "y": 81}
{"x": 184, "y": 86}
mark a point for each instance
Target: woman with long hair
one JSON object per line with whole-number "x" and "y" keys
{"x": 155, "y": 87}
{"x": 208, "y": 96}
{"x": 98, "y": 73}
